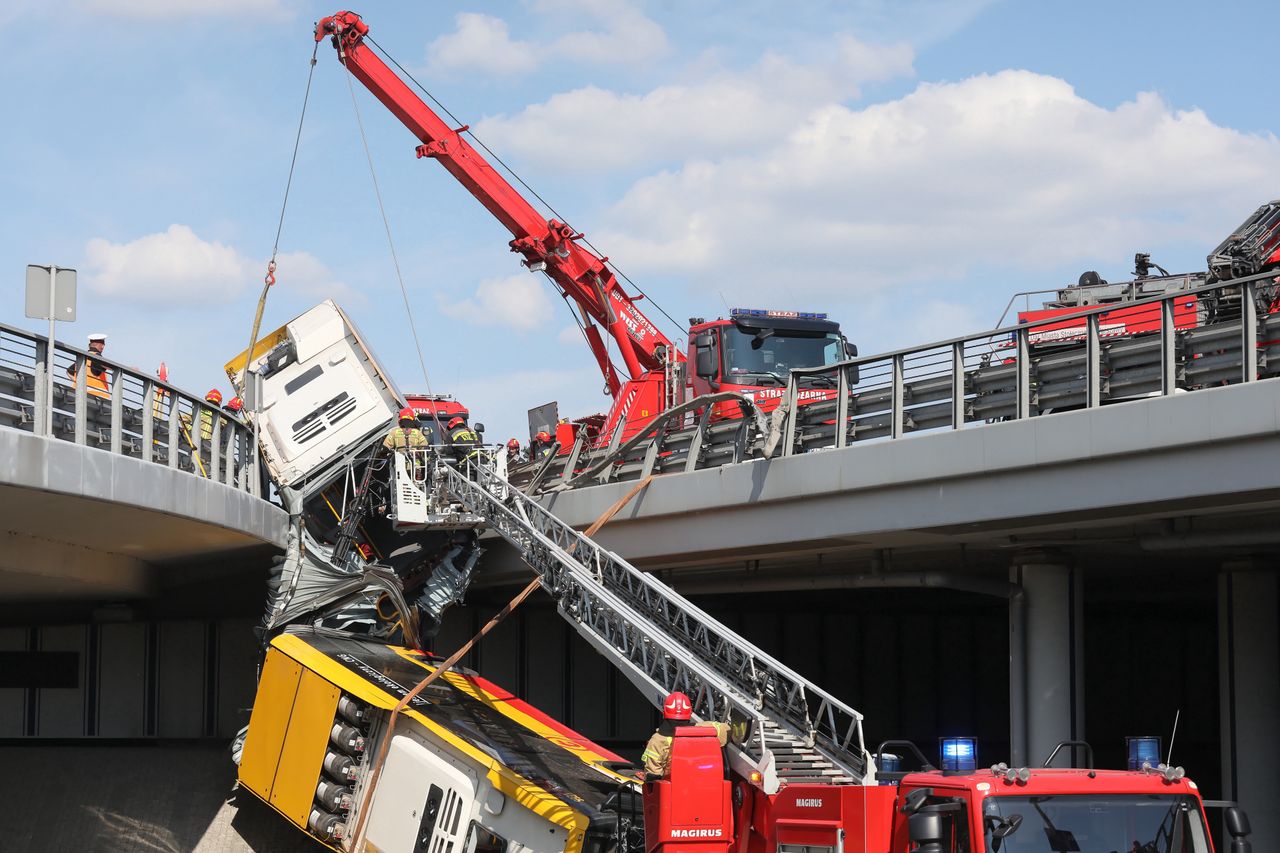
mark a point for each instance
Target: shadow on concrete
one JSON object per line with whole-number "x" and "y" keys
{"x": 151, "y": 798}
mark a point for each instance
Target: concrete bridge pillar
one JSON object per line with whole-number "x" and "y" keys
{"x": 1249, "y": 687}
{"x": 1046, "y": 656}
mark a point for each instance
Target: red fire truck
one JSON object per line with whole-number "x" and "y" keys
{"x": 1148, "y": 808}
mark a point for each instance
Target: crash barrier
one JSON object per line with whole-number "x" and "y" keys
{"x": 1182, "y": 341}
{"x": 138, "y": 415}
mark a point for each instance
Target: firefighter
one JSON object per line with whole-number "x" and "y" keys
{"x": 407, "y": 434}
{"x": 540, "y": 446}
{"x": 407, "y": 438}
{"x": 677, "y": 712}
{"x": 234, "y": 407}
{"x": 96, "y": 382}
{"x": 513, "y": 451}
{"x": 465, "y": 443}
{"x": 214, "y": 399}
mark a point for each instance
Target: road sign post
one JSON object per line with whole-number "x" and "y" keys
{"x": 51, "y": 295}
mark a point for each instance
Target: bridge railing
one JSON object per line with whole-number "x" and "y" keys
{"x": 138, "y": 415}
{"x": 1181, "y": 341}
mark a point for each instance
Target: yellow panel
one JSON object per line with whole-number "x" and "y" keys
{"x": 304, "y": 746}
{"x": 269, "y": 722}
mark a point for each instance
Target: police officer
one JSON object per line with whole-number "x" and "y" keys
{"x": 677, "y": 712}
{"x": 96, "y": 381}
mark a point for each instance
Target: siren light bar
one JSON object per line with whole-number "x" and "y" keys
{"x": 781, "y": 315}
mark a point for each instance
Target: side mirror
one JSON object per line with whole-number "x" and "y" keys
{"x": 706, "y": 362}
{"x": 480, "y": 429}
{"x": 1238, "y": 828}
{"x": 704, "y": 340}
{"x": 851, "y": 351}
{"x": 925, "y": 831}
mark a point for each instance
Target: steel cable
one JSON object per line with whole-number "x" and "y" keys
{"x": 270, "y": 277}
{"x": 516, "y": 176}
{"x": 395, "y": 260}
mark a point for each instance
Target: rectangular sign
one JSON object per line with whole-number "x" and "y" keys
{"x": 544, "y": 418}
{"x": 64, "y": 295}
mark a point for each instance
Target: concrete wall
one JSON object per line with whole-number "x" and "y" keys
{"x": 135, "y": 680}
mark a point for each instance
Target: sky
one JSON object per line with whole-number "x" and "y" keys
{"x": 903, "y": 165}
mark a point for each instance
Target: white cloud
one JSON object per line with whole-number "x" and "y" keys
{"x": 628, "y": 37}
{"x": 517, "y": 302}
{"x": 571, "y": 336}
{"x": 175, "y": 268}
{"x": 1010, "y": 169}
{"x": 305, "y": 274}
{"x": 170, "y": 266}
{"x": 175, "y": 9}
{"x": 717, "y": 113}
{"x": 482, "y": 42}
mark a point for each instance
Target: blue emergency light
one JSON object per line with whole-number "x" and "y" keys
{"x": 887, "y": 762}
{"x": 1143, "y": 750}
{"x": 959, "y": 754}
{"x": 782, "y": 315}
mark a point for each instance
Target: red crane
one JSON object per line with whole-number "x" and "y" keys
{"x": 749, "y": 353}
{"x": 546, "y": 244}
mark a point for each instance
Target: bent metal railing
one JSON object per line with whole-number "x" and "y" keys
{"x": 1185, "y": 340}
{"x": 139, "y": 416}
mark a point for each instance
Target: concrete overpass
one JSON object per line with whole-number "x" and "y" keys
{"x": 1185, "y": 471}
{"x": 102, "y": 494}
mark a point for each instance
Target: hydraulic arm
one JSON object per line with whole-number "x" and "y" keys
{"x": 548, "y": 245}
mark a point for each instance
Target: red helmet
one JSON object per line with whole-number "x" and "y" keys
{"x": 457, "y": 421}
{"x": 513, "y": 444}
{"x": 214, "y": 396}
{"x": 406, "y": 414}
{"x": 677, "y": 707}
{"x": 543, "y": 436}
{"x": 235, "y": 404}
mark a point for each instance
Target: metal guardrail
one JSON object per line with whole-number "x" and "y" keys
{"x": 1178, "y": 342}
{"x": 139, "y": 416}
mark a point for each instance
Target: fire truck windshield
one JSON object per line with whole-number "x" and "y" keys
{"x": 1079, "y": 822}
{"x": 765, "y": 357}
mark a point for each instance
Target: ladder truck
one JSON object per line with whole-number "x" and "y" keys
{"x": 749, "y": 354}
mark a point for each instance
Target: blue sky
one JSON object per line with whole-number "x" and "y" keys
{"x": 904, "y": 166}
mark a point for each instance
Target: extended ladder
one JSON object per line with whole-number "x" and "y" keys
{"x": 662, "y": 642}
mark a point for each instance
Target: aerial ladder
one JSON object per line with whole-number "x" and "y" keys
{"x": 797, "y": 733}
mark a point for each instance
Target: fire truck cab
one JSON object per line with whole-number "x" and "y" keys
{"x": 754, "y": 351}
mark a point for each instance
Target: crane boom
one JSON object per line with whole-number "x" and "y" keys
{"x": 546, "y": 244}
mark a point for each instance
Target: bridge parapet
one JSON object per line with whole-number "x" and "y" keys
{"x": 140, "y": 416}
{"x": 1190, "y": 338}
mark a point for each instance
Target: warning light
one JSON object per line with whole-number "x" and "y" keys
{"x": 887, "y": 762}
{"x": 959, "y": 754}
{"x": 1143, "y": 750}
{"x": 782, "y": 315}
